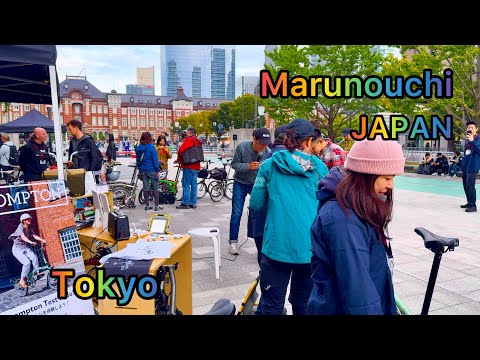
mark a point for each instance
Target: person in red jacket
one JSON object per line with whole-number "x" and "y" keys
{"x": 190, "y": 171}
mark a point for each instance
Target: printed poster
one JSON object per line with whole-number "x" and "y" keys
{"x": 38, "y": 233}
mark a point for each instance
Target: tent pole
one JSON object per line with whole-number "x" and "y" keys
{"x": 56, "y": 122}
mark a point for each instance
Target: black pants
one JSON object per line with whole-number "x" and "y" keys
{"x": 274, "y": 279}
{"x": 469, "y": 187}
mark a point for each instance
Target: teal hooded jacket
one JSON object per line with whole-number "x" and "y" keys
{"x": 288, "y": 182}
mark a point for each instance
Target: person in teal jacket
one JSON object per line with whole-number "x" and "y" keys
{"x": 287, "y": 183}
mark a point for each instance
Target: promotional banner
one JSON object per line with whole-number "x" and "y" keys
{"x": 38, "y": 234}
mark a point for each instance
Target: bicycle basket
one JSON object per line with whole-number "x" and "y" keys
{"x": 203, "y": 173}
{"x": 218, "y": 174}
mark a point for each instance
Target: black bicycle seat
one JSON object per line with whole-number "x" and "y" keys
{"x": 434, "y": 242}
{"x": 222, "y": 307}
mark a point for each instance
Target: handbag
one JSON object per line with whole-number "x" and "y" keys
{"x": 75, "y": 179}
{"x": 193, "y": 155}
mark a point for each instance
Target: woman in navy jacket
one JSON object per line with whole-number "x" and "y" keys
{"x": 350, "y": 271}
{"x": 148, "y": 168}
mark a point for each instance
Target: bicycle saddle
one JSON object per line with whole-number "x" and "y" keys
{"x": 222, "y": 307}
{"x": 434, "y": 242}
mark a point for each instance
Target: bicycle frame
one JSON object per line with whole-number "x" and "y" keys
{"x": 438, "y": 245}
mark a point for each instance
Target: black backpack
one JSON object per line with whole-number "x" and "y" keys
{"x": 13, "y": 158}
{"x": 194, "y": 154}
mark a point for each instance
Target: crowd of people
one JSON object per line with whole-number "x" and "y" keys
{"x": 318, "y": 211}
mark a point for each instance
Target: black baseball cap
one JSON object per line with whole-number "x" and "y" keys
{"x": 282, "y": 129}
{"x": 346, "y": 131}
{"x": 302, "y": 128}
{"x": 262, "y": 135}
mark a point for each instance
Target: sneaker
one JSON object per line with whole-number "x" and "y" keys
{"x": 232, "y": 249}
{"x": 464, "y": 206}
{"x": 434, "y": 174}
{"x": 182, "y": 206}
{"x": 148, "y": 208}
{"x": 157, "y": 207}
{"x": 454, "y": 175}
{"x": 442, "y": 174}
{"x": 471, "y": 209}
{"x": 192, "y": 206}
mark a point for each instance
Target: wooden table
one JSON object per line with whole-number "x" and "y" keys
{"x": 181, "y": 253}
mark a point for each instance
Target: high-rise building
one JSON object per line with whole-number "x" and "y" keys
{"x": 146, "y": 76}
{"x": 145, "y": 82}
{"x": 201, "y": 70}
{"x": 246, "y": 85}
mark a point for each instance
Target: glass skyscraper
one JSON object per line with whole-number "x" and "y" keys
{"x": 206, "y": 71}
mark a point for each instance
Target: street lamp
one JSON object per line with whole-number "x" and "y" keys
{"x": 261, "y": 112}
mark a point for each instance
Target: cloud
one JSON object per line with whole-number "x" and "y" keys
{"x": 114, "y": 66}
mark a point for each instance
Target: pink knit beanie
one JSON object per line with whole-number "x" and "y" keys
{"x": 378, "y": 156}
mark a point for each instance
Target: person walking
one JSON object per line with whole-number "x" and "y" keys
{"x": 111, "y": 152}
{"x": 148, "y": 169}
{"x": 34, "y": 158}
{"x": 471, "y": 166}
{"x": 287, "y": 183}
{"x": 189, "y": 171}
{"x": 245, "y": 162}
{"x": 349, "y": 236}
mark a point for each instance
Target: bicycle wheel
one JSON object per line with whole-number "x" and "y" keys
{"x": 229, "y": 189}
{"x": 212, "y": 184}
{"x": 121, "y": 195}
{"x": 141, "y": 197}
{"x": 201, "y": 189}
{"x": 217, "y": 192}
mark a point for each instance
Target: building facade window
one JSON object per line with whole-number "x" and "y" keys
{"x": 124, "y": 122}
{"x": 133, "y": 111}
{"x": 142, "y": 111}
{"x": 77, "y": 109}
{"x": 115, "y": 122}
{"x": 26, "y": 107}
{"x": 124, "y": 111}
{"x": 99, "y": 110}
{"x": 94, "y": 108}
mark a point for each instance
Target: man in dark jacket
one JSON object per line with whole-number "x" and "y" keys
{"x": 471, "y": 166}
{"x": 34, "y": 158}
{"x": 89, "y": 156}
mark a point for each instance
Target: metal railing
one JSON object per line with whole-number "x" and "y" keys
{"x": 413, "y": 154}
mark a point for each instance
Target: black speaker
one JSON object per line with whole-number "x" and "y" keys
{"x": 118, "y": 225}
{"x": 234, "y": 137}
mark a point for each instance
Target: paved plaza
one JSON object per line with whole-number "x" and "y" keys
{"x": 420, "y": 201}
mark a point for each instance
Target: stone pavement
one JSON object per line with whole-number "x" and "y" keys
{"x": 420, "y": 201}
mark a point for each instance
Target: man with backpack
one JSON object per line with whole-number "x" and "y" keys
{"x": 8, "y": 155}
{"x": 190, "y": 155}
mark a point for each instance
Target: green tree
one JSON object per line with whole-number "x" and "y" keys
{"x": 462, "y": 59}
{"x": 324, "y": 60}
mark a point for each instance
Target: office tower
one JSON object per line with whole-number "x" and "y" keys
{"x": 201, "y": 70}
{"x": 249, "y": 83}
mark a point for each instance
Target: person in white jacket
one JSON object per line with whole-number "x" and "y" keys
{"x": 4, "y": 155}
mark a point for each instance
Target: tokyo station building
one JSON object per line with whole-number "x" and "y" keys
{"x": 123, "y": 115}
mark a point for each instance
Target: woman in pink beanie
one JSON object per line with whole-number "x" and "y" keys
{"x": 350, "y": 239}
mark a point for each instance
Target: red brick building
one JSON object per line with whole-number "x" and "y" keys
{"x": 123, "y": 115}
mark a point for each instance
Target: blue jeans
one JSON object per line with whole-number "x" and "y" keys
{"x": 189, "y": 187}
{"x": 274, "y": 279}
{"x": 240, "y": 192}
{"x": 454, "y": 168}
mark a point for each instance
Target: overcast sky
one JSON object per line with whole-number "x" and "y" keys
{"x": 110, "y": 67}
